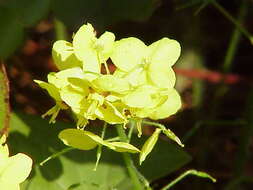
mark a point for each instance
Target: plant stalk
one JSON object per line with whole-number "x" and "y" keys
{"x": 128, "y": 161}
{"x": 238, "y": 25}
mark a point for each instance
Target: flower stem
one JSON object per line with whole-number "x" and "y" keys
{"x": 56, "y": 155}
{"x": 131, "y": 128}
{"x": 99, "y": 149}
{"x": 128, "y": 161}
{"x": 189, "y": 172}
{"x": 161, "y": 126}
{"x": 233, "y": 44}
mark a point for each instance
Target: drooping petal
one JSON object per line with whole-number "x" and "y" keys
{"x": 72, "y": 97}
{"x": 169, "y": 107}
{"x": 128, "y": 53}
{"x": 60, "y": 79}
{"x": 63, "y": 55}
{"x": 51, "y": 89}
{"x": 109, "y": 113}
{"x": 83, "y": 44}
{"x": 81, "y": 85}
{"x": 164, "y": 52}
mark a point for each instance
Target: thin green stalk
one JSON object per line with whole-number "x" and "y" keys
{"x": 60, "y": 30}
{"x": 233, "y": 44}
{"x": 231, "y": 51}
{"x": 233, "y": 20}
{"x": 113, "y": 139}
{"x": 161, "y": 126}
{"x": 188, "y": 172}
{"x": 56, "y": 155}
{"x": 131, "y": 128}
{"x": 99, "y": 149}
{"x": 128, "y": 161}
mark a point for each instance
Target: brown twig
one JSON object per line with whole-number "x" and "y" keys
{"x": 5, "y": 89}
{"x": 211, "y": 76}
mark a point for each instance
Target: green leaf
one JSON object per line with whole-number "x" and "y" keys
{"x": 103, "y": 14}
{"x": 149, "y": 145}
{"x": 124, "y": 147}
{"x": 29, "y": 12}
{"x": 80, "y": 139}
{"x": 35, "y": 137}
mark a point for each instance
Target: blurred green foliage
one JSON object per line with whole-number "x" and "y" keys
{"x": 17, "y": 15}
{"x": 35, "y": 137}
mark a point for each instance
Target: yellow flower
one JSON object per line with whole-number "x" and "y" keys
{"x": 14, "y": 169}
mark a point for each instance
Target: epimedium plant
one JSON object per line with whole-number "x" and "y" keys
{"x": 141, "y": 87}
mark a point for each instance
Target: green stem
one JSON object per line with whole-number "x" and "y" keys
{"x": 188, "y": 172}
{"x": 233, "y": 44}
{"x": 131, "y": 128}
{"x": 161, "y": 126}
{"x": 230, "y": 54}
{"x": 113, "y": 139}
{"x": 128, "y": 161}
{"x": 233, "y": 20}
{"x": 60, "y": 30}
{"x": 56, "y": 155}
{"x": 99, "y": 149}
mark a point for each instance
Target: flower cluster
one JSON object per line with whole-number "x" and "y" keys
{"x": 142, "y": 85}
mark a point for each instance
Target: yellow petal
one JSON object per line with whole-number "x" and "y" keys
{"x": 128, "y": 53}
{"x": 169, "y": 107}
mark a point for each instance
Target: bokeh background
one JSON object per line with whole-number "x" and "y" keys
{"x": 214, "y": 74}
